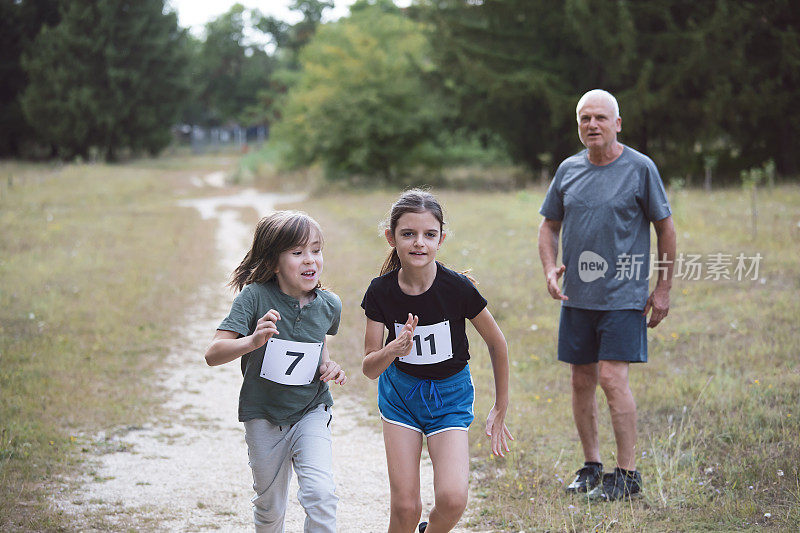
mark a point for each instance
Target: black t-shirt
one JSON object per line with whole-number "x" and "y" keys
{"x": 452, "y": 298}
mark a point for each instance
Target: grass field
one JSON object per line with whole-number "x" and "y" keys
{"x": 97, "y": 263}
{"x": 718, "y": 403}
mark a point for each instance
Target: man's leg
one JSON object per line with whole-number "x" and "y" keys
{"x": 614, "y": 382}
{"x": 584, "y": 408}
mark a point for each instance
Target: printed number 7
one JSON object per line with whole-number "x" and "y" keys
{"x": 299, "y": 356}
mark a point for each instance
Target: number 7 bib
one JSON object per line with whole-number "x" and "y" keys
{"x": 290, "y": 362}
{"x": 431, "y": 344}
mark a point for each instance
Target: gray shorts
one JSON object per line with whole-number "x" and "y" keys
{"x": 588, "y": 336}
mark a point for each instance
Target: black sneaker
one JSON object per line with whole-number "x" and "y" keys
{"x": 422, "y": 527}
{"x": 619, "y": 485}
{"x": 587, "y": 479}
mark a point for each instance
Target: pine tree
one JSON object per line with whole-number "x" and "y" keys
{"x": 109, "y": 76}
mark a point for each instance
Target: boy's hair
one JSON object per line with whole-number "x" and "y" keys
{"x": 276, "y": 233}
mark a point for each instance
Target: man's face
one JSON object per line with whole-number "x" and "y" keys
{"x": 597, "y": 127}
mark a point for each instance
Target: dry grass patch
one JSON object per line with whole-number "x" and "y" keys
{"x": 96, "y": 266}
{"x": 719, "y": 435}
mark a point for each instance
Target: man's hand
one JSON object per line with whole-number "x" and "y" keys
{"x": 658, "y": 302}
{"x": 553, "y": 275}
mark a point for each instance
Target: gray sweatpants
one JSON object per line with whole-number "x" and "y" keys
{"x": 273, "y": 450}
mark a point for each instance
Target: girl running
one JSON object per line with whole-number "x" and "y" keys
{"x": 277, "y": 325}
{"x": 424, "y": 385}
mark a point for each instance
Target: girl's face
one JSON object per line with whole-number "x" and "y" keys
{"x": 299, "y": 268}
{"x": 416, "y": 238}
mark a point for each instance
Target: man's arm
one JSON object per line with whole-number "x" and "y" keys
{"x": 548, "y": 252}
{"x": 659, "y": 298}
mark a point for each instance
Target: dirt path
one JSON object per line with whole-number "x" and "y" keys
{"x": 190, "y": 472}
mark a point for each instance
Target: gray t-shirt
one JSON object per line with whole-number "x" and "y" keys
{"x": 260, "y": 398}
{"x": 606, "y": 213}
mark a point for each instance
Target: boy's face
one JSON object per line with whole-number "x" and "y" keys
{"x": 299, "y": 268}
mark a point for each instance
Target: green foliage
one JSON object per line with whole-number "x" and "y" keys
{"x": 361, "y": 105}
{"x": 692, "y": 78}
{"x": 228, "y": 72}
{"x": 109, "y": 76}
{"x": 20, "y": 22}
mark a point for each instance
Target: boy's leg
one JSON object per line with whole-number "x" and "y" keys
{"x": 449, "y": 451}
{"x": 270, "y": 460}
{"x": 312, "y": 458}
{"x": 403, "y": 450}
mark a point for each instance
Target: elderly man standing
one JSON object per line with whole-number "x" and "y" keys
{"x": 604, "y": 199}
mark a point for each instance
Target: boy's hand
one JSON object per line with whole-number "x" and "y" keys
{"x": 331, "y": 371}
{"x": 265, "y": 328}
{"x": 402, "y": 345}
{"x": 497, "y": 431}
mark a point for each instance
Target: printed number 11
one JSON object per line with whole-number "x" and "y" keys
{"x": 430, "y": 339}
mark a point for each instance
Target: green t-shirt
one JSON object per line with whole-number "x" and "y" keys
{"x": 261, "y": 398}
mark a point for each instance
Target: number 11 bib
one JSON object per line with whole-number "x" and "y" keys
{"x": 431, "y": 344}
{"x": 290, "y": 362}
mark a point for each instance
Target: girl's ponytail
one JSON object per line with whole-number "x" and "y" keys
{"x": 392, "y": 262}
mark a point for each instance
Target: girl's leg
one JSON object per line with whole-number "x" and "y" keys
{"x": 312, "y": 458}
{"x": 403, "y": 450}
{"x": 449, "y": 451}
{"x": 270, "y": 460}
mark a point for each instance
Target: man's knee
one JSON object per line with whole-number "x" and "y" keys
{"x": 614, "y": 379}
{"x": 584, "y": 378}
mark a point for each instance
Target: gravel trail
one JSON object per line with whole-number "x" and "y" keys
{"x": 190, "y": 472}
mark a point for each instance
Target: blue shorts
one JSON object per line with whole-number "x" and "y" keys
{"x": 588, "y": 336}
{"x": 429, "y": 406}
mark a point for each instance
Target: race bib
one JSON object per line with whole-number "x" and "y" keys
{"x": 290, "y": 362}
{"x": 431, "y": 344}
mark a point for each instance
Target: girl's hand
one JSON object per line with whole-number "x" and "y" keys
{"x": 401, "y": 346}
{"x": 265, "y": 328}
{"x": 331, "y": 371}
{"x": 497, "y": 431}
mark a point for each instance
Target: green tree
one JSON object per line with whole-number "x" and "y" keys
{"x": 109, "y": 76}
{"x": 360, "y": 105}
{"x": 288, "y": 39}
{"x": 517, "y": 67}
{"x": 692, "y": 78}
{"x": 230, "y": 72}
{"x": 20, "y": 22}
